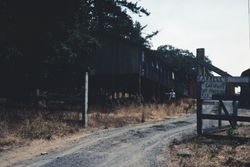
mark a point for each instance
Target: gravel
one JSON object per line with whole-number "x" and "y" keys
{"x": 139, "y": 145}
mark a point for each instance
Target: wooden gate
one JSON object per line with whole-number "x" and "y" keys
{"x": 217, "y": 88}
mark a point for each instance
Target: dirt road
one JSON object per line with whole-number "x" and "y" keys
{"x": 139, "y": 145}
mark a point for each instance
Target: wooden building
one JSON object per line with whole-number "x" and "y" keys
{"x": 126, "y": 68}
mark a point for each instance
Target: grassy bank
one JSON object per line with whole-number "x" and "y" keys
{"x": 19, "y": 126}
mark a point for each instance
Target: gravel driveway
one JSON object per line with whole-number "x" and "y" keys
{"x": 139, "y": 145}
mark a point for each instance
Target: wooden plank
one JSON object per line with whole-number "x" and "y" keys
{"x": 226, "y": 97}
{"x": 225, "y": 117}
{"x": 200, "y": 52}
{"x": 227, "y": 114}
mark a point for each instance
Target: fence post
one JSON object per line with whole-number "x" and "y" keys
{"x": 85, "y": 104}
{"x": 219, "y": 112}
{"x": 199, "y": 109}
{"x": 235, "y": 112}
{"x": 200, "y": 56}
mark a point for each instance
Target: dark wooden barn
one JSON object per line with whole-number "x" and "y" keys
{"x": 128, "y": 69}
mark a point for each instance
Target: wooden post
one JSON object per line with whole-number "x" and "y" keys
{"x": 219, "y": 112}
{"x": 235, "y": 111}
{"x": 227, "y": 114}
{"x": 85, "y": 108}
{"x": 139, "y": 92}
{"x": 139, "y": 85}
{"x": 200, "y": 55}
{"x": 199, "y": 109}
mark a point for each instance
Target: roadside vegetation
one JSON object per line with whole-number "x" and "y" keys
{"x": 228, "y": 148}
{"x": 20, "y": 126}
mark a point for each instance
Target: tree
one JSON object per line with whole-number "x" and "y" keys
{"x": 110, "y": 17}
{"x": 43, "y": 43}
{"x": 182, "y": 62}
{"x": 40, "y": 40}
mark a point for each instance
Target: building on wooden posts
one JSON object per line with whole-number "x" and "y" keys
{"x": 125, "y": 69}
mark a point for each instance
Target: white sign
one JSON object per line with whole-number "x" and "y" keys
{"x": 208, "y": 89}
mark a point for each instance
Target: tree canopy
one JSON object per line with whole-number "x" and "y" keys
{"x": 42, "y": 41}
{"x": 50, "y": 44}
{"x": 180, "y": 61}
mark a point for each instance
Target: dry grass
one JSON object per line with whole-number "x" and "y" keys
{"x": 134, "y": 114}
{"x": 17, "y": 127}
{"x": 20, "y": 126}
{"x": 213, "y": 152}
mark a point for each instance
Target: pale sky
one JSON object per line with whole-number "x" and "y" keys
{"x": 219, "y": 26}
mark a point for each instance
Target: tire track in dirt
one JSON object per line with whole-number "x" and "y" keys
{"x": 138, "y": 145}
